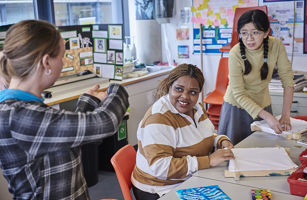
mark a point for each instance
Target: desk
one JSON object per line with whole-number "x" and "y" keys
{"x": 234, "y": 191}
{"x": 277, "y": 184}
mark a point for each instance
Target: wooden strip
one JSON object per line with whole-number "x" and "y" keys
{"x": 259, "y": 173}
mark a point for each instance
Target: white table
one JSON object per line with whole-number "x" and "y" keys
{"x": 233, "y": 190}
{"x": 258, "y": 139}
{"x": 277, "y": 184}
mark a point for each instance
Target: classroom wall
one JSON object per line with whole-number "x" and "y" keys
{"x": 210, "y": 61}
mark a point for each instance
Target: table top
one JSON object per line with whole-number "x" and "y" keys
{"x": 241, "y": 189}
{"x": 258, "y": 139}
{"x": 233, "y": 190}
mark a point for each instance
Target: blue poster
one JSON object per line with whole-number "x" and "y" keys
{"x": 213, "y": 39}
{"x": 211, "y": 192}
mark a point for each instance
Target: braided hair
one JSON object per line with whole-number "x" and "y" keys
{"x": 262, "y": 23}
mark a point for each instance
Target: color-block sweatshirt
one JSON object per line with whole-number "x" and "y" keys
{"x": 171, "y": 146}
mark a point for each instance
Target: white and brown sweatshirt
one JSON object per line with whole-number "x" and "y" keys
{"x": 171, "y": 146}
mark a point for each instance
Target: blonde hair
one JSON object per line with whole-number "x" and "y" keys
{"x": 181, "y": 70}
{"x": 25, "y": 44}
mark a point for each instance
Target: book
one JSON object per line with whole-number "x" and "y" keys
{"x": 211, "y": 192}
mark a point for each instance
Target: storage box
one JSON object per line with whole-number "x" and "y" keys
{"x": 298, "y": 187}
{"x": 302, "y": 158}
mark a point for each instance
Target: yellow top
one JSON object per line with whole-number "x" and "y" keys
{"x": 249, "y": 92}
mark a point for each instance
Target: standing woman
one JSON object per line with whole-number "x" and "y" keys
{"x": 39, "y": 145}
{"x": 251, "y": 64}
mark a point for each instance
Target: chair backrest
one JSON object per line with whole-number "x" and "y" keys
{"x": 238, "y": 13}
{"x": 222, "y": 79}
{"x": 123, "y": 162}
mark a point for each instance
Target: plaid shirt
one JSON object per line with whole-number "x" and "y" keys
{"x": 40, "y": 146}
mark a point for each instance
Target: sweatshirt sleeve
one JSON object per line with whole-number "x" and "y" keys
{"x": 41, "y": 129}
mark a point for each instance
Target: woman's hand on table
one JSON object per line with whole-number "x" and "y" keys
{"x": 271, "y": 120}
{"x": 220, "y": 156}
{"x": 285, "y": 122}
{"x": 94, "y": 92}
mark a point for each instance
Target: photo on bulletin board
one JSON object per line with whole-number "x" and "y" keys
{"x": 183, "y": 51}
{"x": 111, "y": 57}
{"x": 119, "y": 58}
{"x": 100, "y": 45}
{"x": 115, "y": 32}
{"x": 74, "y": 43}
{"x": 97, "y": 69}
{"x": 118, "y": 73}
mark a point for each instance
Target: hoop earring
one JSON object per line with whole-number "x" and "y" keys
{"x": 48, "y": 72}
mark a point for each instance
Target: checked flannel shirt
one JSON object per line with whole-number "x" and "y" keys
{"x": 40, "y": 153}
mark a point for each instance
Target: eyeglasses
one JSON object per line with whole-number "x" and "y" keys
{"x": 253, "y": 34}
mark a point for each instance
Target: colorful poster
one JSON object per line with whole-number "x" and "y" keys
{"x": 286, "y": 25}
{"x": 217, "y": 18}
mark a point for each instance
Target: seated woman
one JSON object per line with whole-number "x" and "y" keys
{"x": 175, "y": 137}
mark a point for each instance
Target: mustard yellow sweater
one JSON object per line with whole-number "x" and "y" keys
{"x": 249, "y": 92}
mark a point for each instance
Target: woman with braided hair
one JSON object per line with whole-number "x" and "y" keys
{"x": 251, "y": 64}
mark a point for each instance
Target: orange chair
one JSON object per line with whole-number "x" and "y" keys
{"x": 123, "y": 162}
{"x": 216, "y": 96}
{"x": 235, "y": 35}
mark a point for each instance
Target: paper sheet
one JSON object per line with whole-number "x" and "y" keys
{"x": 298, "y": 126}
{"x": 257, "y": 159}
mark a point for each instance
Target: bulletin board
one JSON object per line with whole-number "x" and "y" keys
{"x": 217, "y": 18}
{"x": 97, "y": 48}
{"x": 287, "y": 23}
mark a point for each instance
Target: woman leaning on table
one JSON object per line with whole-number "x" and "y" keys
{"x": 251, "y": 64}
{"x": 175, "y": 137}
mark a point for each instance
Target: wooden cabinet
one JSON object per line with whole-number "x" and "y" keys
{"x": 299, "y": 103}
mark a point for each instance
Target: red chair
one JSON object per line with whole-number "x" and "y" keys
{"x": 235, "y": 35}
{"x": 300, "y": 117}
{"x": 123, "y": 162}
{"x": 217, "y": 95}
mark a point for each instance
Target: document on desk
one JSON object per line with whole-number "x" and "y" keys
{"x": 298, "y": 126}
{"x": 260, "y": 159}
